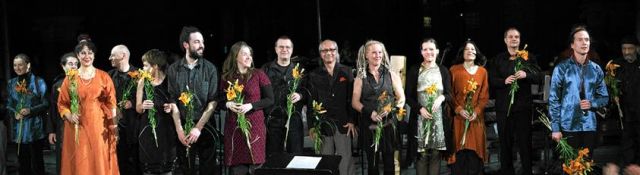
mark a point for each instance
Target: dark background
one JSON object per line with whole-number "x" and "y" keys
{"x": 45, "y": 30}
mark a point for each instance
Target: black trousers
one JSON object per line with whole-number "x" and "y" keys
{"x": 58, "y": 149}
{"x": 276, "y": 136}
{"x": 127, "y": 152}
{"x": 205, "y": 150}
{"x": 582, "y": 139}
{"x": 30, "y": 158}
{"x": 518, "y": 126}
{"x": 385, "y": 153}
{"x": 631, "y": 138}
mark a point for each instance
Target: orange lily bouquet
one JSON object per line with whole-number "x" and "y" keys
{"x": 234, "y": 93}
{"x": 317, "y": 112}
{"x": 126, "y": 94}
{"x": 573, "y": 163}
{"x": 612, "y": 82}
{"x": 296, "y": 73}
{"x": 385, "y": 105}
{"x": 580, "y": 165}
{"x": 521, "y": 57}
{"x": 426, "y": 123}
{"x": 469, "y": 90}
{"x": 148, "y": 88}
{"x": 23, "y": 92}
{"x": 74, "y": 98}
{"x": 186, "y": 98}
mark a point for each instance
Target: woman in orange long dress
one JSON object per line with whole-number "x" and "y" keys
{"x": 94, "y": 152}
{"x": 470, "y": 158}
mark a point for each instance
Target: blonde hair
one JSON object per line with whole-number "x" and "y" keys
{"x": 362, "y": 63}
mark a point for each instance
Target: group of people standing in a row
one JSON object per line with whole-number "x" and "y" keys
{"x": 149, "y": 121}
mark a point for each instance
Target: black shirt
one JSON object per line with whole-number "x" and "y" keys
{"x": 334, "y": 92}
{"x": 499, "y": 70}
{"x": 130, "y": 119}
{"x": 202, "y": 80}
{"x": 628, "y": 74}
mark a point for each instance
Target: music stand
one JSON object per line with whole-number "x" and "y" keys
{"x": 277, "y": 165}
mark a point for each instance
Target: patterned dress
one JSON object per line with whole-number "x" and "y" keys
{"x": 236, "y": 151}
{"x": 426, "y": 78}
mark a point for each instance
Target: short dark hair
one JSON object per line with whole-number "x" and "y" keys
{"x": 429, "y": 40}
{"x": 64, "y": 60}
{"x": 284, "y": 37}
{"x": 83, "y": 36}
{"x": 81, "y": 45}
{"x": 185, "y": 33}
{"x": 576, "y": 29}
{"x": 629, "y": 40}
{"x": 509, "y": 29}
{"x": 156, "y": 57}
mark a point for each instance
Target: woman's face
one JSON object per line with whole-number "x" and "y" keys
{"x": 86, "y": 56}
{"x": 20, "y": 66}
{"x": 469, "y": 52}
{"x": 374, "y": 54}
{"x": 146, "y": 66}
{"x": 429, "y": 51}
{"x": 244, "y": 58}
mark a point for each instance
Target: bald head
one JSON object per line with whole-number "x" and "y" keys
{"x": 119, "y": 56}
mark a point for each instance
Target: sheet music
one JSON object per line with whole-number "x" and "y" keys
{"x": 304, "y": 162}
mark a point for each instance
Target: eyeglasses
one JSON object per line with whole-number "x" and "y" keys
{"x": 328, "y": 50}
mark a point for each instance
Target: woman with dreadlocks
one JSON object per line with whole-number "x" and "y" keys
{"x": 375, "y": 88}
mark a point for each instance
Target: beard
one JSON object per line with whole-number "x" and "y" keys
{"x": 630, "y": 57}
{"x": 193, "y": 52}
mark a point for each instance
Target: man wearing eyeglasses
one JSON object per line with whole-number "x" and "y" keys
{"x": 332, "y": 85}
{"x": 279, "y": 72}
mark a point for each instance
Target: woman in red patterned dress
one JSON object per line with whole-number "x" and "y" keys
{"x": 257, "y": 95}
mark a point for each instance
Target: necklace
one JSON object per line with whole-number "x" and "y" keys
{"x": 87, "y": 76}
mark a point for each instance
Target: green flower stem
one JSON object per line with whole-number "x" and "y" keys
{"x": 19, "y": 107}
{"x": 152, "y": 112}
{"x": 244, "y": 125}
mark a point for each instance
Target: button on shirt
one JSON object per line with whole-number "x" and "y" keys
{"x": 202, "y": 79}
{"x": 564, "y": 96}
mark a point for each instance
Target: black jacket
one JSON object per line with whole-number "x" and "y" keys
{"x": 411, "y": 92}
{"x": 280, "y": 77}
{"x": 334, "y": 92}
{"x": 629, "y": 76}
{"x": 501, "y": 68}
{"x": 54, "y": 122}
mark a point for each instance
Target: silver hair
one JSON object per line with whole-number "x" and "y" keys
{"x": 362, "y": 60}
{"x": 334, "y": 43}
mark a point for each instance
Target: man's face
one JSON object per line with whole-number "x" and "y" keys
{"x": 581, "y": 43}
{"x": 629, "y": 52}
{"x": 20, "y": 66}
{"x": 284, "y": 48}
{"x": 328, "y": 52}
{"x": 195, "y": 47}
{"x": 72, "y": 63}
{"x": 512, "y": 39}
{"x": 116, "y": 57}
